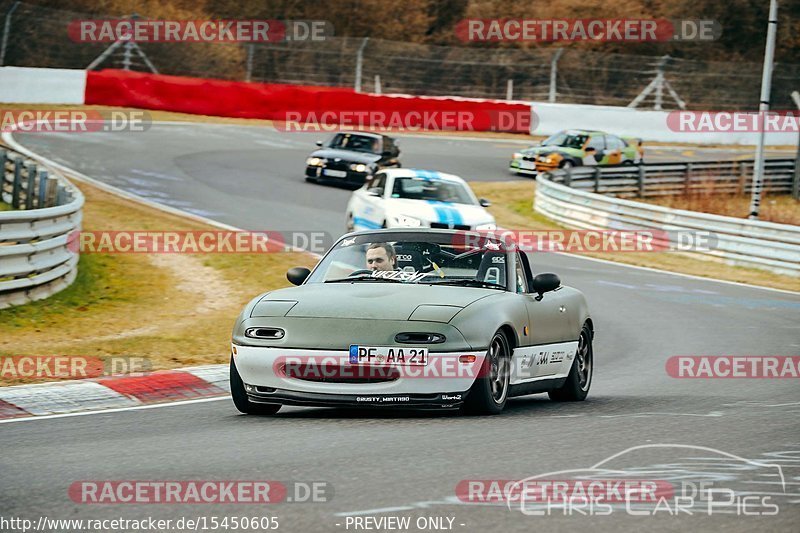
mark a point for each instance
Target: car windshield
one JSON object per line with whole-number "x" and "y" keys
{"x": 415, "y": 188}
{"x": 567, "y": 140}
{"x": 457, "y": 258}
{"x": 356, "y": 143}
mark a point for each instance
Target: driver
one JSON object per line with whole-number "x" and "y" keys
{"x": 381, "y": 256}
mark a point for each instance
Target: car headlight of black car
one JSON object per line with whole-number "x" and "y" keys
{"x": 315, "y": 161}
{"x": 359, "y": 167}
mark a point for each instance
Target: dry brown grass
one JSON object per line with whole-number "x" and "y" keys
{"x": 512, "y": 207}
{"x": 779, "y": 208}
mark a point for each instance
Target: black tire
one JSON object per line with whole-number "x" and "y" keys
{"x": 489, "y": 393}
{"x": 240, "y": 400}
{"x": 576, "y": 388}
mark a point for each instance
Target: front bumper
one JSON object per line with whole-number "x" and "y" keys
{"x": 350, "y": 178}
{"x": 271, "y": 375}
{"x": 316, "y": 399}
{"x": 516, "y": 166}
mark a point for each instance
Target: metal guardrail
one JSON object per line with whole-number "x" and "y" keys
{"x": 35, "y": 260}
{"x": 750, "y": 243}
{"x": 662, "y": 179}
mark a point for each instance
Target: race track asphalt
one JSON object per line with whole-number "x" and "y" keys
{"x": 408, "y": 464}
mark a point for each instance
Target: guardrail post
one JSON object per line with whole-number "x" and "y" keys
{"x": 60, "y": 193}
{"x": 15, "y": 191}
{"x": 640, "y": 179}
{"x": 568, "y": 176}
{"x": 688, "y": 179}
{"x": 596, "y": 179}
{"x": 742, "y": 177}
{"x": 796, "y": 179}
{"x": 29, "y": 191}
{"x": 42, "y": 200}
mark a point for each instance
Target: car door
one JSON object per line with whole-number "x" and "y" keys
{"x": 550, "y": 331}
{"x": 614, "y": 146}
{"x": 373, "y": 211}
{"x": 389, "y": 154}
{"x": 594, "y": 151}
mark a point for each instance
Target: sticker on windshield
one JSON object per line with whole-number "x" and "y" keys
{"x": 400, "y": 275}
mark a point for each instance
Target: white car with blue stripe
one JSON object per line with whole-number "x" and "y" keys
{"x": 410, "y": 198}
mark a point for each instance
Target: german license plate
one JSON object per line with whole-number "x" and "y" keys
{"x": 388, "y": 356}
{"x": 334, "y": 173}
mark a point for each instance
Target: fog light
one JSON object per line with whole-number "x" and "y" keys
{"x": 233, "y": 349}
{"x": 249, "y": 388}
{"x": 466, "y": 358}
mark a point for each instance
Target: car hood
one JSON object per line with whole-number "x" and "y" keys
{"x": 346, "y": 155}
{"x": 430, "y": 211}
{"x": 547, "y": 150}
{"x": 365, "y": 300}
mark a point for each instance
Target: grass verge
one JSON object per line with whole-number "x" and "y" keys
{"x": 173, "y": 309}
{"x": 511, "y": 206}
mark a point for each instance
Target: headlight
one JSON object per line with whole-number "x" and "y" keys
{"x": 516, "y": 155}
{"x": 407, "y": 222}
{"x": 314, "y": 161}
{"x": 358, "y": 167}
{"x": 486, "y": 227}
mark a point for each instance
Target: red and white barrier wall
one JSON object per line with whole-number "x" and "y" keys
{"x": 274, "y": 101}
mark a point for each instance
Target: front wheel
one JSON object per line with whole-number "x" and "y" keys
{"x": 567, "y": 164}
{"x": 489, "y": 393}
{"x": 240, "y": 400}
{"x": 576, "y": 387}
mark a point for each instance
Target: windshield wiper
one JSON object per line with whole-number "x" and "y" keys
{"x": 363, "y": 277}
{"x": 469, "y": 283}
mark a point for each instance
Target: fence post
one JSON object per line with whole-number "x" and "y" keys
{"x": 42, "y": 200}
{"x": 640, "y": 181}
{"x": 15, "y": 191}
{"x": 596, "y": 179}
{"x": 377, "y": 88}
{"x": 360, "y": 63}
{"x": 796, "y": 179}
{"x": 742, "y": 177}
{"x": 6, "y": 31}
{"x": 249, "y": 75}
{"x": 510, "y": 89}
{"x": 2, "y": 173}
{"x": 551, "y": 97}
{"x": 30, "y": 190}
{"x": 688, "y": 179}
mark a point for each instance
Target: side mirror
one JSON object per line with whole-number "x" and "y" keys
{"x": 484, "y": 202}
{"x": 318, "y": 143}
{"x": 543, "y": 283}
{"x": 375, "y": 191}
{"x": 297, "y": 275}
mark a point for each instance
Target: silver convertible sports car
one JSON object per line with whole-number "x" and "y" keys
{"x": 413, "y": 318}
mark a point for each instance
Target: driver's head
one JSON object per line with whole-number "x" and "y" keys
{"x": 381, "y": 256}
